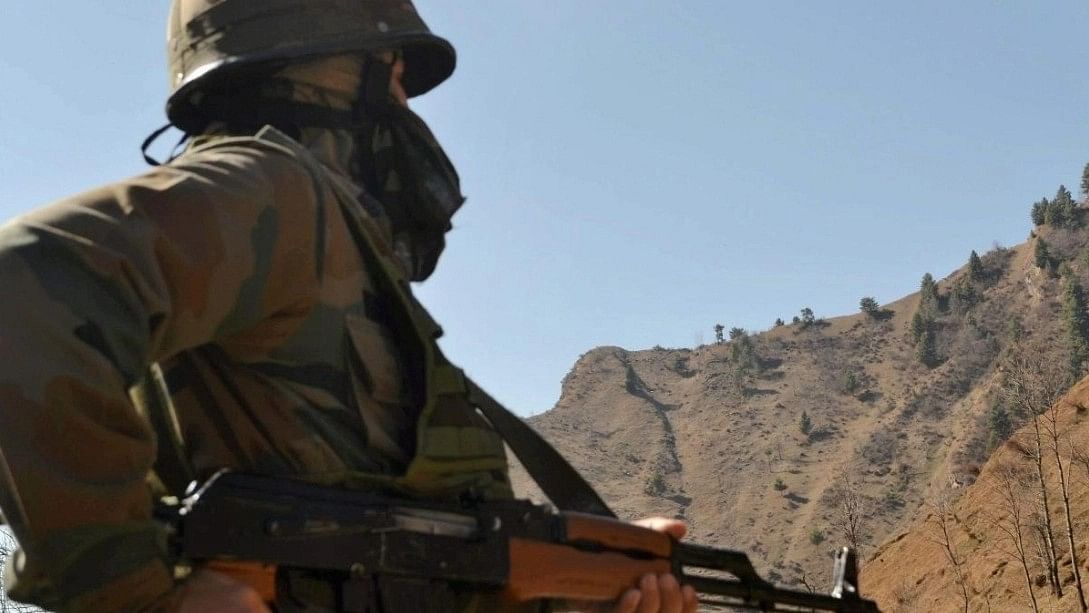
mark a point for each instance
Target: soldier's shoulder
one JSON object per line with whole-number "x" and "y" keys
{"x": 269, "y": 155}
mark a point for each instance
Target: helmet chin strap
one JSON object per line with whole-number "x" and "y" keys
{"x": 154, "y": 136}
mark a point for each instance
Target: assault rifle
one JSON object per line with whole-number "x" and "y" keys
{"x": 414, "y": 554}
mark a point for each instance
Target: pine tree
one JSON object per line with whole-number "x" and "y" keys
{"x": 1039, "y": 212}
{"x": 928, "y": 293}
{"x": 736, "y": 333}
{"x": 999, "y": 424}
{"x": 779, "y": 321}
{"x": 1077, "y": 324}
{"x": 964, "y": 295}
{"x": 919, "y": 326}
{"x": 1085, "y": 181}
{"x": 718, "y": 333}
{"x": 807, "y": 319}
{"x": 869, "y": 306}
{"x": 975, "y": 267}
{"x": 1063, "y": 210}
{"x": 1041, "y": 254}
{"x": 926, "y": 351}
{"x": 1051, "y": 215}
{"x": 927, "y": 287}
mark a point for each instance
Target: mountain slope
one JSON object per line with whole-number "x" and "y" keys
{"x": 713, "y": 434}
{"x": 912, "y": 572}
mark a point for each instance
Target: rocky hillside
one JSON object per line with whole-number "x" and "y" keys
{"x": 899, "y": 404}
{"x": 913, "y": 572}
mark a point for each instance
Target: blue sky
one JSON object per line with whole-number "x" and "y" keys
{"x": 638, "y": 171}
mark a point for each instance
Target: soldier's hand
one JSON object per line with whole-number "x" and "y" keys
{"x": 655, "y": 593}
{"x": 207, "y": 591}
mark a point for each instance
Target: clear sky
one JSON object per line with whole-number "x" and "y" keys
{"x": 638, "y": 171}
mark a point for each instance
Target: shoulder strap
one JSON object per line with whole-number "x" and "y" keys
{"x": 150, "y": 396}
{"x": 560, "y": 481}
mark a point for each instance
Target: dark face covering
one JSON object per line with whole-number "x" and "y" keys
{"x": 404, "y": 167}
{"x": 396, "y": 158}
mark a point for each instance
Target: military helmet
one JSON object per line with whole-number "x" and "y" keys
{"x": 211, "y": 41}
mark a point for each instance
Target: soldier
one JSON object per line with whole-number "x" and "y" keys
{"x": 250, "y": 299}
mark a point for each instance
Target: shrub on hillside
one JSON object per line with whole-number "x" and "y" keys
{"x": 850, "y": 382}
{"x": 656, "y": 485}
{"x": 805, "y": 424}
{"x": 999, "y": 426}
{"x": 1015, "y": 330}
{"x": 743, "y": 351}
{"x": 807, "y": 318}
{"x": 996, "y": 260}
{"x": 964, "y": 295}
{"x": 970, "y": 351}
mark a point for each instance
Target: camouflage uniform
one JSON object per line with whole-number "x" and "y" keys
{"x": 234, "y": 268}
{"x": 253, "y": 287}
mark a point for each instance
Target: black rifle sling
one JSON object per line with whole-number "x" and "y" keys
{"x": 152, "y": 398}
{"x": 563, "y": 485}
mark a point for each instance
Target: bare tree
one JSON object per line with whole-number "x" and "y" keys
{"x": 1039, "y": 545}
{"x": 1009, "y": 483}
{"x": 943, "y": 522}
{"x": 1080, "y": 457}
{"x": 1053, "y": 430}
{"x": 851, "y": 510}
{"x": 1033, "y": 383}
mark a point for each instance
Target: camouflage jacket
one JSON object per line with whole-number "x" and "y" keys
{"x": 232, "y": 268}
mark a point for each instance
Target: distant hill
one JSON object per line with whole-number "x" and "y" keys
{"x": 713, "y": 434}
